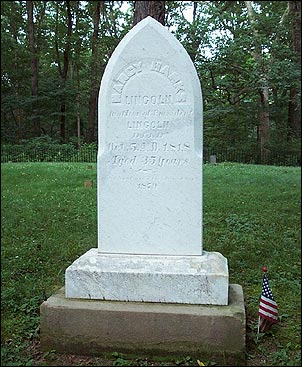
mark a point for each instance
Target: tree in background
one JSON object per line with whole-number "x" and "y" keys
{"x": 107, "y": 32}
{"x": 94, "y": 81}
{"x": 155, "y": 9}
{"x": 33, "y": 47}
{"x": 63, "y": 69}
{"x": 247, "y": 55}
{"x": 294, "y": 110}
{"x": 262, "y": 66}
{"x": 245, "y": 64}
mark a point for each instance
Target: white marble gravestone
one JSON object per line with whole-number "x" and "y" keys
{"x": 150, "y": 181}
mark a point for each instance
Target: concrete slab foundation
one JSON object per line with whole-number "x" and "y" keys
{"x": 92, "y": 327}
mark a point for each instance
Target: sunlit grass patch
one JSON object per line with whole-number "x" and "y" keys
{"x": 251, "y": 215}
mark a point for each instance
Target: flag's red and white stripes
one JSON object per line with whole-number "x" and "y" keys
{"x": 268, "y": 308}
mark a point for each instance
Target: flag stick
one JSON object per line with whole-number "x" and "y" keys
{"x": 258, "y": 326}
{"x": 259, "y": 318}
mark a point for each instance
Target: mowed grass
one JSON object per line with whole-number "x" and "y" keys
{"x": 251, "y": 215}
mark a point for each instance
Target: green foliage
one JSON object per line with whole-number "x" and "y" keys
{"x": 122, "y": 360}
{"x": 219, "y": 38}
{"x": 45, "y": 149}
{"x": 50, "y": 26}
{"x": 251, "y": 215}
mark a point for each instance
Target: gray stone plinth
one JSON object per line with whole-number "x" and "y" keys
{"x": 202, "y": 279}
{"x": 215, "y": 333}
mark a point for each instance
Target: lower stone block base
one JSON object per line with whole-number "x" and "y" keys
{"x": 92, "y": 327}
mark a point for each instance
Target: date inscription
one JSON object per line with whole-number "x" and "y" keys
{"x": 148, "y": 146}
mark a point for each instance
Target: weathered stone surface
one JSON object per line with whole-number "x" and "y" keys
{"x": 149, "y": 278}
{"x": 214, "y": 333}
{"x": 150, "y": 147}
{"x": 150, "y": 181}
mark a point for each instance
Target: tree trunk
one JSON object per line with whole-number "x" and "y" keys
{"x": 294, "y": 119}
{"x": 34, "y": 68}
{"x": 76, "y": 68}
{"x": 264, "y": 117}
{"x": 294, "y": 112}
{"x": 156, "y": 9}
{"x": 94, "y": 81}
{"x": 16, "y": 112}
{"x": 264, "y": 122}
{"x": 63, "y": 71}
{"x": 194, "y": 34}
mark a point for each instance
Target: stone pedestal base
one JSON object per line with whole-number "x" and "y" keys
{"x": 208, "y": 333}
{"x": 149, "y": 278}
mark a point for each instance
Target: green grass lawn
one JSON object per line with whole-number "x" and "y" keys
{"x": 49, "y": 218}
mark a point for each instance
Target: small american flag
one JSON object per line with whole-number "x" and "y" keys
{"x": 268, "y": 308}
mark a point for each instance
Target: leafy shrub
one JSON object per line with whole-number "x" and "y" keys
{"x": 45, "y": 149}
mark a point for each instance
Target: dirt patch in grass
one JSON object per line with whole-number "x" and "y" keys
{"x": 57, "y": 359}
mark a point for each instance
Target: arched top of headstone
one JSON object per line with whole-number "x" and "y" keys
{"x": 150, "y": 37}
{"x": 149, "y": 46}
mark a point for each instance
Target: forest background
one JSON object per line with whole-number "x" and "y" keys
{"x": 53, "y": 55}
{"x": 247, "y": 55}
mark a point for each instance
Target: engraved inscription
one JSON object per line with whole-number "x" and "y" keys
{"x": 138, "y": 100}
{"x": 155, "y": 66}
{"x": 146, "y": 119}
{"x": 148, "y": 135}
{"x": 162, "y": 161}
{"x": 122, "y": 79}
{"x": 173, "y": 77}
{"x": 123, "y": 161}
{"x": 134, "y": 147}
{"x": 147, "y": 185}
{"x": 138, "y": 125}
{"x": 148, "y": 160}
{"x": 152, "y": 113}
{"x": 148, "y": 146}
